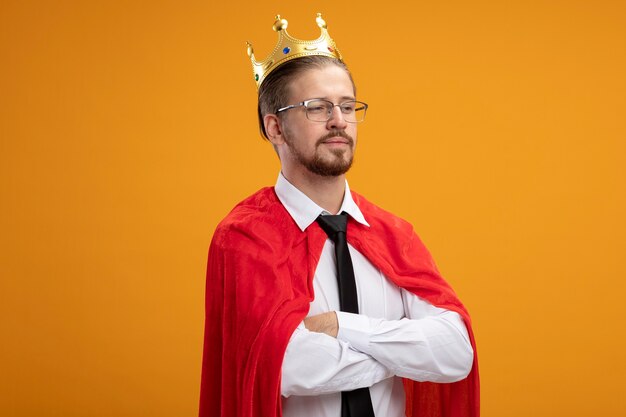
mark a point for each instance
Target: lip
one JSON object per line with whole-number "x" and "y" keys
{"x": 336, "y": 141}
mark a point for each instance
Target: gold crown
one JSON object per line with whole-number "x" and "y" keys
{"x": 289, "y": 48}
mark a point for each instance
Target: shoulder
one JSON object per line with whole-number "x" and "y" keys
{"x": 259, "y": 219}
{"x": 381, "y": 219}
{"x": 393, "y": 239}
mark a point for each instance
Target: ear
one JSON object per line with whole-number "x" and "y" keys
{"x": 273, "y": 129}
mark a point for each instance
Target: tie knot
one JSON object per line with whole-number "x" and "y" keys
{"x": 333, "y": 224}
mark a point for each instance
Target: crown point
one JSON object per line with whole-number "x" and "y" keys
{"x": 279, "y": 24}
{"x": 250, "y": 50}
{"x": 320, "y": 22}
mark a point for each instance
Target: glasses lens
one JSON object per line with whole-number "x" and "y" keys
{"x": 354, "y": 111}
{"x": 319, "y": 110}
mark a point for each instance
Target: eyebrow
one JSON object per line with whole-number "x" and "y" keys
{"x": 343, "y": 98}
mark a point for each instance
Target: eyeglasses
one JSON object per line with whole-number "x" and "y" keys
{"x": 319, "y": 110}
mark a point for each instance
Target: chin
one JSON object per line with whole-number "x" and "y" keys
{"x": 330, "y": 170}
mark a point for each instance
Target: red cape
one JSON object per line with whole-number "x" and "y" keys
{"x": 259, "y": 286}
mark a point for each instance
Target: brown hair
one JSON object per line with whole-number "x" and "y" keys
{"x": 273, "y": 92}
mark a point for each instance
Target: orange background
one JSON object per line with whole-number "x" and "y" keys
{"x": 128, "y": 130}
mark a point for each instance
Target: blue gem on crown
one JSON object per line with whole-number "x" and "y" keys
{"x": 286, "y": 50}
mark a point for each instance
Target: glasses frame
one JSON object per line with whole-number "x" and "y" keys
{"x": 305, "y": 104}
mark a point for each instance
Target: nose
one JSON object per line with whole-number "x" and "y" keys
{"x": 336, "y": 120}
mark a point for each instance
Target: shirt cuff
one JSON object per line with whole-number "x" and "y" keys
{"x": 354, "y": 329}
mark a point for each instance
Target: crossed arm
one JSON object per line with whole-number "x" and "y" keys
{"x": 338, "y": 351}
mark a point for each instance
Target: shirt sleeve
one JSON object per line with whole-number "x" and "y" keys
{"x": 428, "y": 344}
{"x": 316, "y": 364}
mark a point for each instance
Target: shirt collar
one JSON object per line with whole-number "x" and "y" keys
{"x": 304, "y": 211}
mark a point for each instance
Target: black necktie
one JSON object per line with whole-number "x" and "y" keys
{"x": 357, "y": 403}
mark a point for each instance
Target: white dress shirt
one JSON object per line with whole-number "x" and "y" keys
{"x": 396, "y": 334}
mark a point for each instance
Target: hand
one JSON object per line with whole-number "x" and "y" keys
{"x": 323, "y": 323}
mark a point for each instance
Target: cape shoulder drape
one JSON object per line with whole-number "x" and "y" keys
{"x": 259, "y": 286}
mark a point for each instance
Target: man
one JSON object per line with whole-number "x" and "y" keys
{"x": 280, "y": 270}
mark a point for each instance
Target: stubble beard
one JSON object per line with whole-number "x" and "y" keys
{"x": 325, "y": 167}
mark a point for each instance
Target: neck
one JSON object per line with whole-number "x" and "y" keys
{"x": 326, "y": 192}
